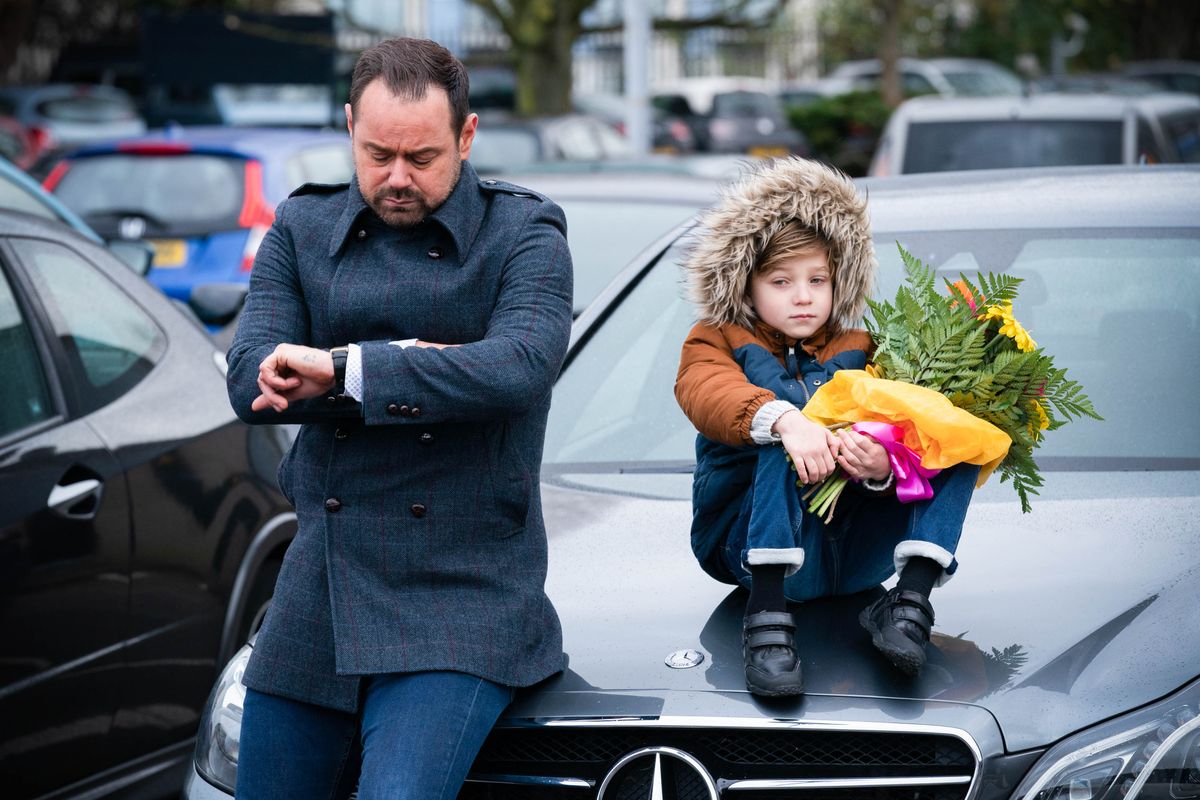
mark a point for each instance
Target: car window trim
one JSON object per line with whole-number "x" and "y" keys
{"x": 34, "y": 315}
{"x": 73, "y": 405}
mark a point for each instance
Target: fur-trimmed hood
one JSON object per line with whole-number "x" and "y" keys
{"x": 755, "y": 208}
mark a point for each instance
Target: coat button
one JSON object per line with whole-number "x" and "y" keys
{"x": 405, "y": 411}
{"x": 362, "y": 233}
{"x": 340, "y": 433}
{"x": 418, "y": 510}
{"x": 434, "y": 252}
{"x": 816, "y": 381}
{"x": 425, "y": 438}
{"x": 393, "y": 409}
{"x": 416, "y": 411}
{"x": 333, "y": 505}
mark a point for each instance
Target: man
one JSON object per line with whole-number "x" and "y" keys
{"x": 414, "y": 322}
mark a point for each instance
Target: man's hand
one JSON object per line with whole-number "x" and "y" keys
{"x": 292, "y": 372}
{"x": 810, "y": 445}
{"x": 862, "y": 457}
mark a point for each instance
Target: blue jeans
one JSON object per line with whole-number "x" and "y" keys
{"x": 869, "y": 539}
{"x": 415, "y": 739}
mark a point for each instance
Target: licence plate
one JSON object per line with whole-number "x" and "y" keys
{"x": 169, "y": 252}
{"x": 768, "y": 152}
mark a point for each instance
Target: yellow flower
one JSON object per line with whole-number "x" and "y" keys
{"x": 872, "y": 371}
{"x": 1043, "y": 420}
{"x": 1010, "y": 327}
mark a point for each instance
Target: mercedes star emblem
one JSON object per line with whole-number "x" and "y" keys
{"x": 685, "y": 659}
{"x": 657, "y": 773}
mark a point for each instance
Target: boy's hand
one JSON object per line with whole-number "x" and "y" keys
{"x": 861, "y": 456}
{"x": 810, "y": 445}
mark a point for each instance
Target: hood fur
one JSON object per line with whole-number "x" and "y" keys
{"x": 755, "y": 208}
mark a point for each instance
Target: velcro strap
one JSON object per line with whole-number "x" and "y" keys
{"x": 759, "y": 637}
{"x": 916, "y": 599}
{"x": 763, "y": 618}
{"x": 911, "y": 614}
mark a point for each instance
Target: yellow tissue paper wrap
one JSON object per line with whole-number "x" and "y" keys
{"x": 934, "y": 428}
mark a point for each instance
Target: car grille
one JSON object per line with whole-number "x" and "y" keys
{"x": 561, "y": 761}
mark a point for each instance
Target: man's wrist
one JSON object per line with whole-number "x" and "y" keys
{"x": 339, "y": 356}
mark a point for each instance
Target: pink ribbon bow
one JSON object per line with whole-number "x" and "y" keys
{"x": 912, "y": 480}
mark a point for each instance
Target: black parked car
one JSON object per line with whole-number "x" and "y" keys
{"x": 1065, "y": 662}
{"x": 141, "y": 528}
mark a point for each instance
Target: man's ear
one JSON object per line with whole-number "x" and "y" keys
{"x": 349, "y": 120}
{"x": 467, "y": 136}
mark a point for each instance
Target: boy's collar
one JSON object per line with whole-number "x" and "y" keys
{"x": 812, "y": 345}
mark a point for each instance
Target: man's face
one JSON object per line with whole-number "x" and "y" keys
{"x": 406, "y": 155}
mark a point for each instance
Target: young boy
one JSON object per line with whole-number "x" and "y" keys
{"x": 780, "y": 274}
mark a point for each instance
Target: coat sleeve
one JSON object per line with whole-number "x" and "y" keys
{"x": 514, "y": 366}
{"x": 713, "y": 391}
{"x": 275, "y": 312}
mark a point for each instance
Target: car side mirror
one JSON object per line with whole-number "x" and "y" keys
{"x": 137, "y": 254}
{"x": 218, "y": 303}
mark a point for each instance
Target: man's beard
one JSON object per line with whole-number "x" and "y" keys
{"x": 414, "y": 214}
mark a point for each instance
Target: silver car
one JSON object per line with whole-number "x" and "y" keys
{"x": 933, "y": 134}
{"x": 1065, "y": 662}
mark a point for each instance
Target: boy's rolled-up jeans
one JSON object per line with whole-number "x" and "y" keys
{"x": 869, "y": 539}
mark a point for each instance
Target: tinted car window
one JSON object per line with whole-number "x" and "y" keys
{"x": 177, "y": 194}
{"x": 997, "y": 144}
{"x": 1112, "y": 306}
{"x": 87, "y": 109}
{"x": 745, "y": 104}
{"x": 1184, "y": 132}
{"x": 24, "y": 397}
{"x": 18, "y": 198}
{"x": 982, "y": 82}
{"x": 110, "y": 343}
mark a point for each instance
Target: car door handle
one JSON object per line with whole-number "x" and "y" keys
{"x": 79, "y": 500}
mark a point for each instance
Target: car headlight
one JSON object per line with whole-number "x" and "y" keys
{"x": 1150, "y": 753}
{"x": 221, "y": 726}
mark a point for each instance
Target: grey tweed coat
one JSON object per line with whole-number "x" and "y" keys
{"x": 421, "y": 544}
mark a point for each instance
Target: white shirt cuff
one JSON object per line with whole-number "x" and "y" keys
{"x": 879, "y": 486}
{"x": 764, "y": 420}
{"x": 354, "y": 371}
{"x": 354, "y": 382}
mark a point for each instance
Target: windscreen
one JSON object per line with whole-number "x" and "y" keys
{"x": 1119, "y": 310}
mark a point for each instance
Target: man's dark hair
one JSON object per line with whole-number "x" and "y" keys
{"x": 408, "y": 67}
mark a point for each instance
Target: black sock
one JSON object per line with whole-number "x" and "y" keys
{"x": 919, "y": 575}
{"x": 766, "y": 588}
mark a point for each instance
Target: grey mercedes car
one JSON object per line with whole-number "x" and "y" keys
{"x": 1065, "y": 660}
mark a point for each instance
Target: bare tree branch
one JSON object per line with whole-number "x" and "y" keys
{"x": 729, "y": 18}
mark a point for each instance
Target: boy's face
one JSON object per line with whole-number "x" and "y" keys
{"x": 407, "y": 156}
{"x": 794, "y": 296}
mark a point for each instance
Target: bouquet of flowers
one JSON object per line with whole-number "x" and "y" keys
{"x": 956, "y": 379}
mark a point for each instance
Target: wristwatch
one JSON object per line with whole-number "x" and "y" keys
{"x": 340, "y": 354}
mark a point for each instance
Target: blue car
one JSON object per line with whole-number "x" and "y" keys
{"x": 203, "y": 197}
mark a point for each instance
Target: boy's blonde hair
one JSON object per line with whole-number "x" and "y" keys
{"x": 793, "y": 240}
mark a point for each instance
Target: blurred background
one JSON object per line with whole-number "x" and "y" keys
{"x": 831, "y": 70}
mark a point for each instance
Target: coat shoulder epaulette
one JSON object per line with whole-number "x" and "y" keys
{"x": 319, "y": 188}
{"x": 493, "y": 185}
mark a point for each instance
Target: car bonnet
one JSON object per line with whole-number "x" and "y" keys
{"x": 1055, "y": 620}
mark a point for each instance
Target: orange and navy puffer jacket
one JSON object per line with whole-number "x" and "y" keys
{"x": 733, "y": 363}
